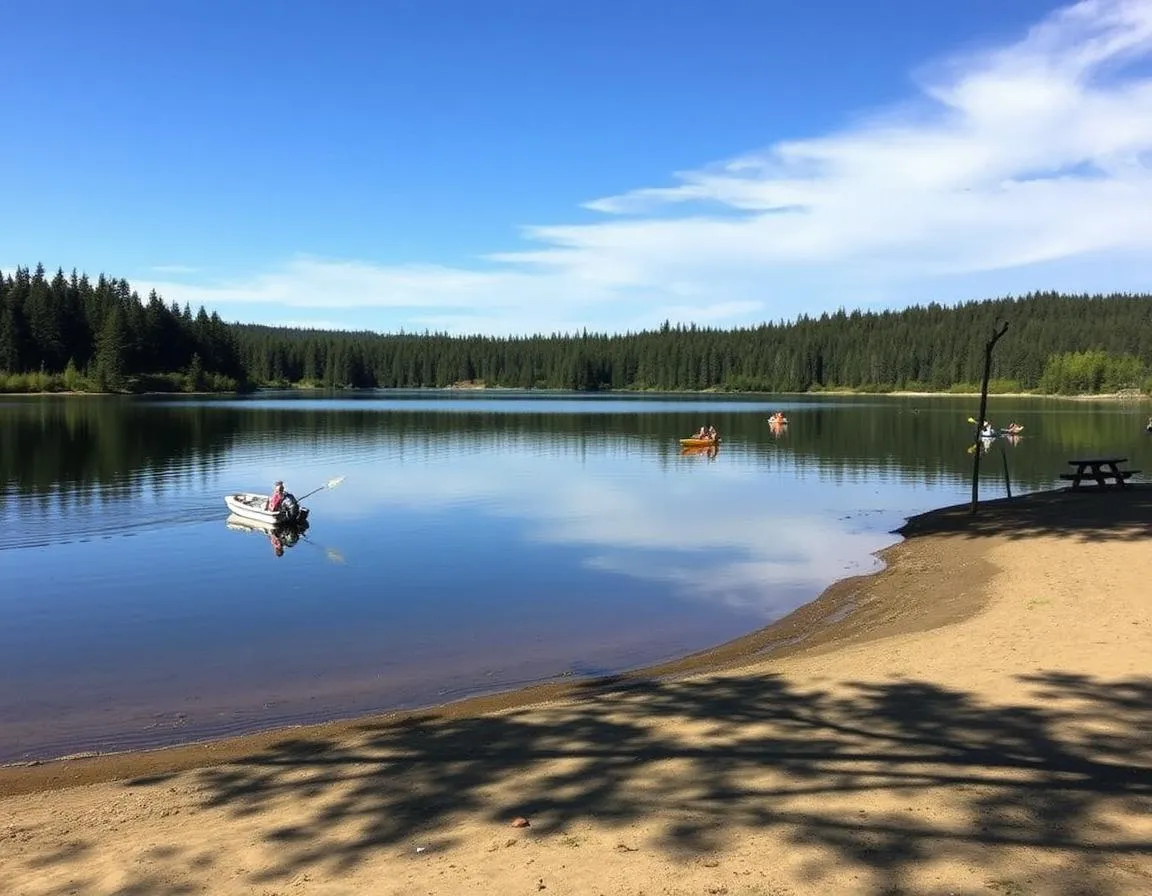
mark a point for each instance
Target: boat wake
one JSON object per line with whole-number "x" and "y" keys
{"x": 46, "y": 520}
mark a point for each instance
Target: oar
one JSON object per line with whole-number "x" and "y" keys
{"x": 330, "y": 554}
{"x": 331, "y": 483}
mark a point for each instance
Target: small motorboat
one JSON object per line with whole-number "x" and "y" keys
{"x": 699, "y": 443}
{"x": 250, "y": 506}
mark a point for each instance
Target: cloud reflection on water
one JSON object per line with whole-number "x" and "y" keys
{"x": 727, "y": 533}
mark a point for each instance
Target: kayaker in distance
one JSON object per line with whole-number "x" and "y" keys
{"x": 273, "y": 502}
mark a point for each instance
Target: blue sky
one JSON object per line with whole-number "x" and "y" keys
{"x": 533, "y": 165}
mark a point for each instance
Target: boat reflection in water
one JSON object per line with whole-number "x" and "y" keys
{"x": 281, "y": 536}
{"x": 986, "y": 442}
{"x": 708, "y": 451}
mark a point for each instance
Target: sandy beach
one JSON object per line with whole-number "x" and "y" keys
{"x": 975, "y": 719}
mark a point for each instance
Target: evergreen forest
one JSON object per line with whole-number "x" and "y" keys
{"x": 68, "y": 333}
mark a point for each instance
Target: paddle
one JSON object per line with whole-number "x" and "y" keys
{"x": 330, "y": 554}
{"x": 331, "y": 483}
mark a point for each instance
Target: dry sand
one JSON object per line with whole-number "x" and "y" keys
{"x": 981, "y": 722}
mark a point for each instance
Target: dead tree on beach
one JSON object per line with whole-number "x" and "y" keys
{"x": 991, "y": 344}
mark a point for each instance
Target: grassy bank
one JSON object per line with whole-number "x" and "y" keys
{"x": 42, "y": 383}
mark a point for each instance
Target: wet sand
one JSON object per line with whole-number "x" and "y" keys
{"x": 976, "y": 718}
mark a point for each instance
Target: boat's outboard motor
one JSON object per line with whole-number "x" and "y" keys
{"x": 290, "y": 507}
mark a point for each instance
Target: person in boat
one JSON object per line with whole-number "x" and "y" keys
{"x": 273, "y": 502}
{"x": 1148, "y": 427}
{"x": 712, "y": 434}
{"x": 701, "y": 433}
{"x": 987, "y": 431}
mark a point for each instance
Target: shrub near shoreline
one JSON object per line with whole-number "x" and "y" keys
{"x": 41, "y": 383}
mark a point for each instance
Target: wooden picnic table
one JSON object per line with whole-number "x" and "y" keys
{"x": 1100, "y": 469}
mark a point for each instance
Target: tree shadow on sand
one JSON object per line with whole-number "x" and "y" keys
{"x": 707, "y": 760}
{"x": 1087, "y": 514}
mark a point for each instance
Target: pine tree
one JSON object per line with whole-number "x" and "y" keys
{"x": 110, "y": 348}
{"x": 195, "y": 374}
{"x": 71, "y": 376}
{"x": 11, "y": 334}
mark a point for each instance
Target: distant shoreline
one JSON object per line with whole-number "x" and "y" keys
{"x": 81, "y": 394}
{"x": 1102, "y": 396}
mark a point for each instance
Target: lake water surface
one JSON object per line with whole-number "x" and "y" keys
{"x": 478, "y": 542}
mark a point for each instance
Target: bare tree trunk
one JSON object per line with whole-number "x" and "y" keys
{"x": 996, "y": 334}
{"x": 1007, "y": 478}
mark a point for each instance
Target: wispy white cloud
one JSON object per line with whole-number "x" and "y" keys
{"x": 173, "y": 269}
{"x": 1037, "y": 153}
{"x": 308, "y": 324}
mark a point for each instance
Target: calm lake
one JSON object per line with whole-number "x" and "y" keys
{"x": 478, "y": 542}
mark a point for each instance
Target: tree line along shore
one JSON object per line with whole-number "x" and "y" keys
{"x": 68, "y": 333}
